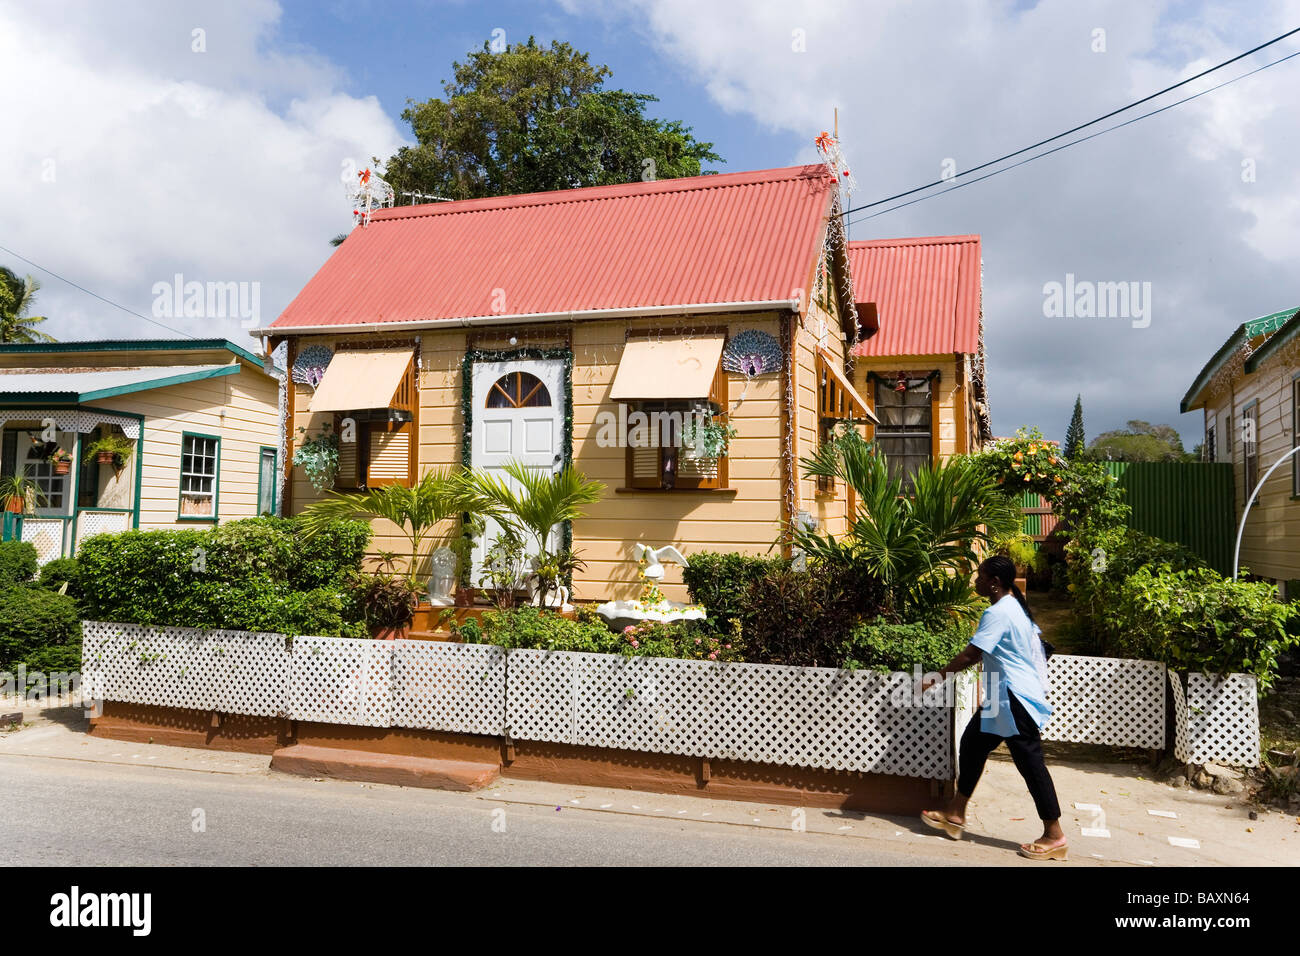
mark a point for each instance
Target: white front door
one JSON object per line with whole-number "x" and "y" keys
{"x": 518, "y": 415}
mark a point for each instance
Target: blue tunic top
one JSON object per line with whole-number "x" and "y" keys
{"x": 1013, "y": 658}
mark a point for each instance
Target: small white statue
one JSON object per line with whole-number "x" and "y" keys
{"x": 653, "y": 557}
{"x": 442, "y": 579}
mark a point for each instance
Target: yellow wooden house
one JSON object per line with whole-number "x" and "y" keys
{"x": 549, "y": 328}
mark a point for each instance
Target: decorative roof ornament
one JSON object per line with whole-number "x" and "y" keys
{"x": 370, "y": 193}
{"x": 309, "y": 367}
{"x": 752, "y": 353}
{"x": 833, "y": 157}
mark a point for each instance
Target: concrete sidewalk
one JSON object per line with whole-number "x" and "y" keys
{"x": 1135, "y": 823}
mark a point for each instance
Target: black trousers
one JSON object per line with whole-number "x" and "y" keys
{"x": 1026, "y": 751}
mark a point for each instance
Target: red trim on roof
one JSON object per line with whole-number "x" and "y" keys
{"x": 735, "y": 237}
{"x": 926, "y": 290}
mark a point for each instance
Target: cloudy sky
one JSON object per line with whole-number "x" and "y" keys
{"x": 145, "y": 140}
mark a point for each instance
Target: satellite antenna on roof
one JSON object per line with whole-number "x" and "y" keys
{"x": 369, "y": 193}
{"x": 426, "y": 196}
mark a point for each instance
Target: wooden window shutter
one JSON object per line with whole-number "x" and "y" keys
{"x": 700, "y": 473}
{"x": 349, "y": 475}
{"x": 390, "y": 446}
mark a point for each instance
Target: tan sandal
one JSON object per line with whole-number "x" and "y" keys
{"x": 936, "y": 820}
{"x": 1037, "y": 851}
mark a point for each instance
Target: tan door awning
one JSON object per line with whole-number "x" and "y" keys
{"x": 358, "y": 380}
{"x": 834, "y": 367}
{"x": 670, "y": 368}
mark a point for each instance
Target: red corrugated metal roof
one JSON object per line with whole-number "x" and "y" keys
{"x": 926, "y": 290}
{"x": 736, "y": 237}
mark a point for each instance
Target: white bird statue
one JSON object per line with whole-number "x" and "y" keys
{"x": 653, "y": 557}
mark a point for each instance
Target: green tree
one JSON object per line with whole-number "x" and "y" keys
{"x": 16, "y": 297}
{"x": 532, "y": 119}
{"x": 1139, "y": 441}
{"x": 1074, "y": 440}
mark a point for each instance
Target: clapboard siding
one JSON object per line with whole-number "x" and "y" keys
{"x": 241, "y": 409}
{"x": 1270, "y": 544}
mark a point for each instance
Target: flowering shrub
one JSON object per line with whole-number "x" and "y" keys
{"x": 1028, "y": 462}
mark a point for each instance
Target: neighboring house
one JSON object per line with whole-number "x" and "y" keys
{"x": 1250, "y": 394}
{"x": 537, "y": 327}
{"x": 203, "y": 415}
{"x": 923, "y": 372}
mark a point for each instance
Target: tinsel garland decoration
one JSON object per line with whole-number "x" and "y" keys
{"x": 566, "y": 430}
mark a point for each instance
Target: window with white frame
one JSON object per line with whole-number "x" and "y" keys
{"x": 200, "y": 459}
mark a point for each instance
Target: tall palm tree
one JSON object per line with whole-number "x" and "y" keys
{"x": 16, "y": 297}
{"x": 920, "y": 546}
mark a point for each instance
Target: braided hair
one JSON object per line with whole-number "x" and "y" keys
{"x": 1003, "y": 571}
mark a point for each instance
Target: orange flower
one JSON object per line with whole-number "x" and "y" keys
{"x": 1026, "y": 477}
{"x": 1020, "y": 455}
{"x": 1033, "y": 449}
{"x": 1058, "y": 479}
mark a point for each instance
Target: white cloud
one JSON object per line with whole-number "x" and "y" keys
{"x": 1160, "y": 201}
{"x": 222, "y": 165}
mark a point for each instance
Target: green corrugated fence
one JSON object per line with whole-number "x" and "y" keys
{"x": 1192, "y": 503}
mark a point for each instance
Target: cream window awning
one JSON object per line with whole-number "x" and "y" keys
{"x": 671, "y": 368}
{"x": 833, "y": 367}
{"x": 357, "y": 380}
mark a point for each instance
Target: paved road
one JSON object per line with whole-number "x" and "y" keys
{"x": 69, "y": 812}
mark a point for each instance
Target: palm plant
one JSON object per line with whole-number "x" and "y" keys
{"x": 19, "y": 487}
{"x": 544, "y": 500}
{"x": 921, "y": 547}
{"x": 440, "y": 496}
{"x": 16, "y": 297}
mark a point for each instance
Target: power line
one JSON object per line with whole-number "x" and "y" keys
{"x": 187, "y": 335}
{"x": 1076, "y": 142}
{"x": 1081, "y": 126}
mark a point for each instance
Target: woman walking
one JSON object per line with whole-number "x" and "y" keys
{"x": 1014, "y": 711}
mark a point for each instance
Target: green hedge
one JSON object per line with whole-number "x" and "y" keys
{"x": 39, "y": 629}
{"x": 883, "y": 646}
{"x": 721, "y": 583}
{"x": 1198, "y": 620}
{"x": 60, "y": 571}
{"x": 258, "y": 574}
{"x": 17, "y": 562}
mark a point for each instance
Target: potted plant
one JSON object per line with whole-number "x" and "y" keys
{"x": 706, "y": 438}
{"x": 61, "y": 460}
{"x": 388, "y": 602}
{"x": 20, "y": 494}
{"x": 318, "y": 455}
{"x": 112, "y": 449}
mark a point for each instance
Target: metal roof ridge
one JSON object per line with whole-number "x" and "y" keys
{"x": 630, "y": 190}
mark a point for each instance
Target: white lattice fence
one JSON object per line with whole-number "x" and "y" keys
{"x": 46, "y": 536}
{"x": 1223, "y": 720}
{"x": 454, "y": 687}
{"x": 1181, "y": 750}
{"x": 232, "y": 672}
{"x": 1107, "y": 700}
{"x": 90, "y": 523}
{"x": 966, "y": 704}
{"x": 342, "y": 680}
{"x": 793, "y": 716}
